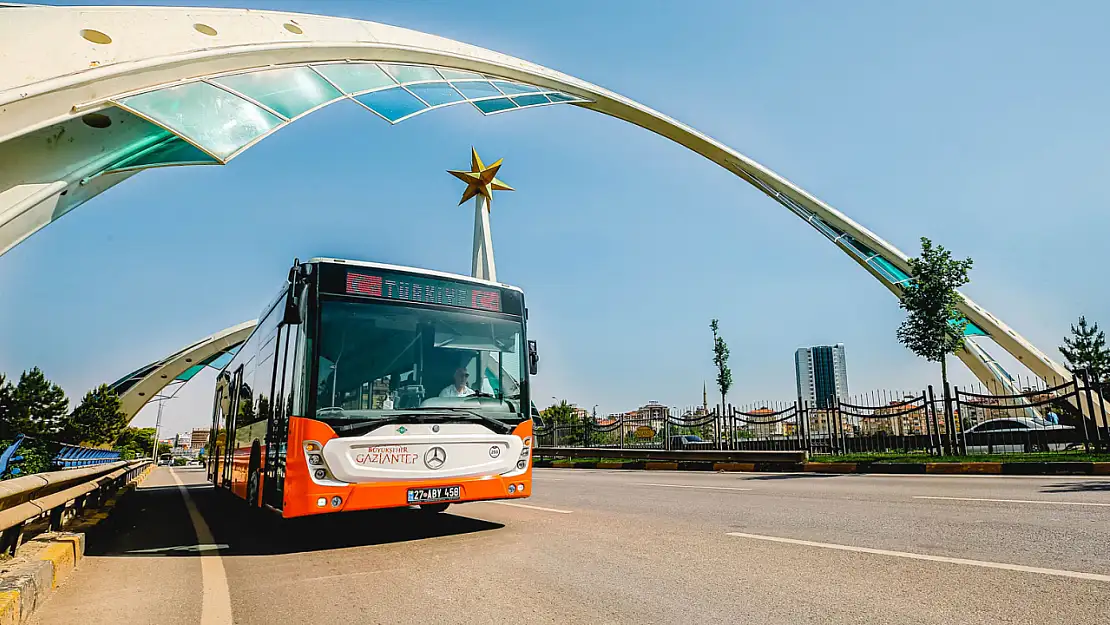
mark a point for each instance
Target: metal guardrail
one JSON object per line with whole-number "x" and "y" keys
{"x": 25, "y": 499}
{"x": 70, "y": 456}
{"x": 778, "y": 457}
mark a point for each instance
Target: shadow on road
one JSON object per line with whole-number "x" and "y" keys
{"x": 154, "y": 522}
{"x": 1077, "y": 487}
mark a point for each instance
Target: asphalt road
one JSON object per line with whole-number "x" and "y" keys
{"x": 616, "y": 547}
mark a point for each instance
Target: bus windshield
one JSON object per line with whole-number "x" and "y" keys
{"x": 382, "y": 360}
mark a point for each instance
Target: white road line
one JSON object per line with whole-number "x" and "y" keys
{"x": 1042, "y": 501}
{"x": 215, "y": 606}
{"x": 692, "y": 486}
{"x": 920, "y": 556}
{"x": 520, "y": 505}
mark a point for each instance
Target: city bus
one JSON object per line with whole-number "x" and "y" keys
{"x": 368, "y": 385}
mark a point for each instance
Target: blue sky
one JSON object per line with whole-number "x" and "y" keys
{"x": 981, "y": 125}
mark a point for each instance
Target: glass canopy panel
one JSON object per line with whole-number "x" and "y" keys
{"x": 562, "y": 97}
{"x": 218, "y": 121}
{"x": 290, "y": 91}
{"x": 392, "y": 104}
{"x": 455, "y": 74}
{"x": 170, "y": 151}
{"x": 188, "y": 374}
{"x": 220, "y": 361}
{"x": 436, "y": 93}
{"x": 477, "y": 89}
{"x": 493, "y": 106}
{"x": 355, "y": 77}
{"x": 889, "y": 267}
{"x": 512, "y": 88}
{"x": 973, "y": 330}
{"x": 533, "y": 99}
{"x": 411, "y": 73}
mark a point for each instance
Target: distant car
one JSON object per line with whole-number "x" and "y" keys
{"x": 689, "y": 441}
{"x": 1018, "y": 434}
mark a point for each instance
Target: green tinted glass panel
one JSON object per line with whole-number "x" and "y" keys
{"x": 436, "y": 93}
{"x": 211, "y": 117}
{"x": 355, "y": 77}
{"x": 531, "y": 99}
{"x": 562, "y": 97}
{"x": 189, "y": 373}
{"x": 289, "y": 91}
{"x": 889, "y": 267}
{"x": 392, "y": 104}
{"x": 512, "y": 88}
{"x": 492, "y": 106}
{"x": 973, "y": 330}
{"x": 455, "y": 74}
{"x": 221, "y": 360}
{"x": 474, "y": 90}
{"x": 411, "y": 73}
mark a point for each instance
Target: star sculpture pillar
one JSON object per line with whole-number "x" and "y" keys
{"x": 481, "y": 181}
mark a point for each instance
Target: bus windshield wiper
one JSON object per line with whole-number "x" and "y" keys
{"x": 450, "y": 415}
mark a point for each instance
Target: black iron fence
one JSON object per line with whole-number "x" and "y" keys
{"x": 1067, "y": 417}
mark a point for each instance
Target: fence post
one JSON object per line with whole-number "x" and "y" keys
{"x": 957, "y": 420}
{"x": 927, "y": 400}
{"x": 949, "y": 421}
{"x": 942, "y": 440}
{"x": 11, "y": 538}
{"x": 1090, "y": 409}
{"x": 717, "y": 425}
{"x": 621, "y": 427}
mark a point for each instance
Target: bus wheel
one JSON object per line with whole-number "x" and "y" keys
{"x": 253, "y": 482}
{"x": 434, "y": 507}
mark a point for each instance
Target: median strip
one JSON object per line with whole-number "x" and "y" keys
{"x": 920, "y": 556}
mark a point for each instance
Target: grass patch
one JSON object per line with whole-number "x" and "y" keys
{"x": 903, "y": 458}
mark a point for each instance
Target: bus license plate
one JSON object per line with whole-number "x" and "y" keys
{"x": 427, "y": 495}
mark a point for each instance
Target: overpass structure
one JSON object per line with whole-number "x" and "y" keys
{"x": 92, "y": 96}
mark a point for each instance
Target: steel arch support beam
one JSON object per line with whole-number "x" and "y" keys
{"x": 53, "y": 75}
{"x": 166, "y": 371}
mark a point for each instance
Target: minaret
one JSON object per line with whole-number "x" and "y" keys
{"x": 481, "y": 182}
{"x": 704, "y": 398}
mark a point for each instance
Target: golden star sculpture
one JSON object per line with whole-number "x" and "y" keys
{"x": 480, "y": 179}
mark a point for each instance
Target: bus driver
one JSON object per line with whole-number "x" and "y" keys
{"x": 458, "y": 387}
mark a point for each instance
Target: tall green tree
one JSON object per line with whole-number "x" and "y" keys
{"x": 934, "y": 326}
{"x": 135, "y": 442}
{"x": 7, "y": 408}
{"x": 39, "y": 406}
{"x": 1086, "y": 350}
{"x": 98, "y": 420}
{"x": 720, "y": 360}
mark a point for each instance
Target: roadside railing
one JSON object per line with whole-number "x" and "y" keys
{"x": 56, "y": 496}
{"x": 662, "y": 455}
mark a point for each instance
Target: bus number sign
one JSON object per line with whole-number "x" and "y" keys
{"x": 429, "y": 291}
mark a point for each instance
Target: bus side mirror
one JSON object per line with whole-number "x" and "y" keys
{"x": 533, "y": 358}
{"x": 292, "y": 315}
{"x": 538, "y": 423}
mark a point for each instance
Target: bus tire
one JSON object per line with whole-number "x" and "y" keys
{"x": 254, "y": 478}
{"x": 433, "y": 508}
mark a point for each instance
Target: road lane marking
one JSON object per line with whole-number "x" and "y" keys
{"x": 1053, "y": 503}
{"x": 920, "y": 556}
{"x": 520, "y": 505}
{"x": 215, "y": 605}
{"x": 692, "y": 486}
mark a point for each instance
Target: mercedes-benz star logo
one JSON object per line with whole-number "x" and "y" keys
{"x": 435, "y": 457}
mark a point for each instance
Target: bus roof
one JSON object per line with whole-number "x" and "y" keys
{"x": 427, "y": 272}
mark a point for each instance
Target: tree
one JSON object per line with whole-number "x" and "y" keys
{"x": 7, "y": 408}
{"x": 135, "y": 442}
{"x": 98, "y": 420}
{"x": 720, "y": 360}
{"x": 564, "y": 414}
{"x": 1086, "y": 350}
{"x": 39, "y": 406}
{"x": 934, "y": 326}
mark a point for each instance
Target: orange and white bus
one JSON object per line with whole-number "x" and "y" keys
{"x": 374, "y": 386}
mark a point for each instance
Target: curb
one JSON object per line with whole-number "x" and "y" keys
{"x": 46, "y": 561}
{"x": 889, "y": 468}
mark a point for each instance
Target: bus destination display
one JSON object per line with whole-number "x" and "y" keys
{"x": 427, "y": 290}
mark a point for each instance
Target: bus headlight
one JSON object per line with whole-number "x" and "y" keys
{"x": 320, "y": 474}
{"x": 315, "y": 459}
{"x": 520, "y": 464}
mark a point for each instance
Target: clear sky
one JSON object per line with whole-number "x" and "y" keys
{"x": 981, "y": 125}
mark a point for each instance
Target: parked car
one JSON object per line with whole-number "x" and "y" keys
{"x": 1018, "y": 434}
{"x": 689, "y": 441}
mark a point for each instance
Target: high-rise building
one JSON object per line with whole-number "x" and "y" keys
{"x": 822, "y": 374}
{"x": 199, "y": 438}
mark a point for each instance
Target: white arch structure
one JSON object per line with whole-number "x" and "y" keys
{"x": 144, "y": 384}
{"x": 179, "y": 86}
